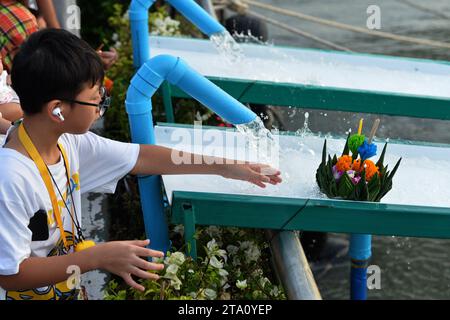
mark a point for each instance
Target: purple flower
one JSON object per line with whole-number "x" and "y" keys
{"x": 337, "y": 174}
{"x": 351, "y": 173}
{"x": 367, "y": 151}
{"x": 356, "y": 180}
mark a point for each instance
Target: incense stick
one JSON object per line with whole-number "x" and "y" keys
{"x": 374, "y": 130}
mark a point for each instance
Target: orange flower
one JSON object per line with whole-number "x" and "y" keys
{"x": 344, "y": 163}
{"x": 357, "y": 165}
{"x": 371, "y": 169}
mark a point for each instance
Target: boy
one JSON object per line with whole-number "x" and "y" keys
{"x": 49, "y": 159}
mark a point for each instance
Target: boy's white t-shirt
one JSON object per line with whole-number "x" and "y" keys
{"x": 96, "y": 164}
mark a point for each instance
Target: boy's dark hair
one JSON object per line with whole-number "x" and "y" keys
{"x": 53, "y": 64}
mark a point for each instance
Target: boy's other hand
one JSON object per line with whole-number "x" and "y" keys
{"x": 108, "y": 57}
{"x": 255, "y": 173}
{"x": 126, "y": 258}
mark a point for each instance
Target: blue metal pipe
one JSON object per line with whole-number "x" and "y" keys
{"x": 139, "y": 24}
{"x": 139, "y": 108}
{"x": 360, "y": 253}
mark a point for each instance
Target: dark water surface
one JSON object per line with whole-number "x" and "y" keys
{"x": 411, "y": 268}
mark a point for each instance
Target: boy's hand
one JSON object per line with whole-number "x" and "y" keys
{"x": 255, "y": 173}
{"x": 108, "y": 57}
{"x": 126, "y": 258}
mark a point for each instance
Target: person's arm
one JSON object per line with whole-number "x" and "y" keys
{"x": 4, "y": 125}
{"x": 156, "y": 160}
{"x": 123, "y": 258}
{"x": 11, "y": 111}
{"x": 47, "y": 10}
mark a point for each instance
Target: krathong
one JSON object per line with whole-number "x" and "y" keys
{"x": 353, "y": 176}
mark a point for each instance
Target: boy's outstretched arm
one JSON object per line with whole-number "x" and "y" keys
{"x": 157, "y": 160}
{"x": 123, "y": 258}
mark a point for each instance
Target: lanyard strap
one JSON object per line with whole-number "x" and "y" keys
{"x": 66, "y": 163}
{"x": 36, "y": 157}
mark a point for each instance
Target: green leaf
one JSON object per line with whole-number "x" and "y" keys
{"x": 346, "y": 148}
{"x": 363, "y": 190}
{"x": 324, "y": 152}
{"x": 374, "y": 187}
{"x": 333, "y": 188}
{"x": 395, "y": 169}
{"x": 334, "y": 161}
{"x": 345, "y": 187}
{"x": 381, "y": 160}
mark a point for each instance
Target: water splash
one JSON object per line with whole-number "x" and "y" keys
{"x": 261, "y": 142}
{"x": 305, "y": 131}
{"x": 227, "y": 46}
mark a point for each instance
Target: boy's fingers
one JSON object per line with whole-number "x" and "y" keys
{"x": 266, "y": 169}
{"x": 145, "y": 265}
{"x": 275, "y": 179}
{"x": 139, "y": 243}
{"x": 144, "y": 252}
{"x": 129, "y": 281}
{"x": 258, "y": 183}
{"x": 261, "y": 177}
{"x": 144, "y": 274}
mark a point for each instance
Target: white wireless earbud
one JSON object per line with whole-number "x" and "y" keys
{"x": 57, "y": 112}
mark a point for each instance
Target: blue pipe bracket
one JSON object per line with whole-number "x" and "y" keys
{"x": 139, "y": 109}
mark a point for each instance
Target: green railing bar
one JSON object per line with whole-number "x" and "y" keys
{"x": 167, "y": 101}
{"x": 323, "y": 215}
{"x": 327, "y": 98}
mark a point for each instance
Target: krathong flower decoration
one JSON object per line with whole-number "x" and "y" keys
{"x": 353, "y": 176}
{"x": 371, "y": 169}
{"x": 367, "y": 150}
{"x": 344, "y": 163}
{"x": 355, "y": 141}
{"x": 357, "y": 165}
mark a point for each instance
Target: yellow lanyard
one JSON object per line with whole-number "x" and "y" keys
{"x": 36, "y": 157}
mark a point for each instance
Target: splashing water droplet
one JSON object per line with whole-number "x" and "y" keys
{"x": 227, "y": 46}
{"x": 305, "y": 131}
{"x": 261, "y": 141}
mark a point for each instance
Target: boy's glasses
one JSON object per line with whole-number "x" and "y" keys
{"x": 102, "y": 106}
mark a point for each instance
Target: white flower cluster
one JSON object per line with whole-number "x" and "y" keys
{"x": 172, "y": 263}
{"x": 213, "y": 276}
{"x": 250, "y": 252}
{"x": 165, "y": 27}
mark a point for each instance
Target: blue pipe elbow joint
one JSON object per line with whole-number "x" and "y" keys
{"x": 173, "y": 69}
